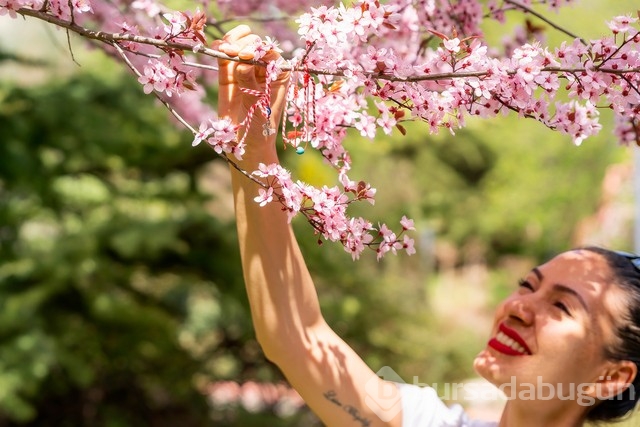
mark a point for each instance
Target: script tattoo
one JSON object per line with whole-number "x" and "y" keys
{"x": 332, "y": 397}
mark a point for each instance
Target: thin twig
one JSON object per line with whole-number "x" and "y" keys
{"x": 203, "y": 66}
{"x": 631, "y": 85}
{"x": 242, "y": 171}
{"x": 73, "y": 57}
{"x": 163, "y": 101}
{"x": 546, "y": 20}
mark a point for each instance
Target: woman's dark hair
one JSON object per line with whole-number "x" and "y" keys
{"x": 626, "y": 272}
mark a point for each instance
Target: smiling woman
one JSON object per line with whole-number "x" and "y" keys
{"x": 564, "y": 328}
{"x": 563, "y": 348}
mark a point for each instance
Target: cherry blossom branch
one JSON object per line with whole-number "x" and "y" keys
{"x": 178, "y": 117}
{"x": 464, "y": 75}
{"x": 110, "y": 38}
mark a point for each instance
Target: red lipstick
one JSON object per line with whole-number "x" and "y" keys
{"x": 505, "y": 349}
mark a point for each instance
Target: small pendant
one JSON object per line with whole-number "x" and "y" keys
{"x": 267, "y": 130}
{"x": 299, "y": 150}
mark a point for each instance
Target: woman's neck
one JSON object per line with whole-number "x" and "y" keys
{"x": 546, "y": 413}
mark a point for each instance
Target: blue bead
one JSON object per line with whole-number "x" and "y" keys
{"x": 300, "y": 150}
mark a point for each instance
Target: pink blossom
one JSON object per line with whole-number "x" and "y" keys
{"x": 366, "y": 125}
{"x": 265, "y": 171}
{"x": 203, "y": 133}
{"x": 408, "y": 245}
{"x": 176, "y": 23}
{"x": 577, "y": 120}
{"x": 10, "y": 7}
{"x": 223, "y": 130}
{"x": 407, "y": 224}
{"x": 157, "y": 76}
{"x": 357, "y": 236}
{"x": 452, "y": 45}
{"x": 147, "y": 79}
{"x": 265, "y": 196}
{"x": 150, "y": 7}
{"x": 81, "y": 6}
{"x": 621, "y": 24}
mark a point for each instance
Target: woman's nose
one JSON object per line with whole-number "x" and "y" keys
{"x": 521, "y": 308}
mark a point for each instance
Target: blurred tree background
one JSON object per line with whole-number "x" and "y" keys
{"x": 121, "y": 296}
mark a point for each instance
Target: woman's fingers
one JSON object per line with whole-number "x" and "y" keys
{"x": 240, "y": 42}
{"x": 237, "y": 33}
{"x": 247, "y": 53}
{"x": 229, "y": 44}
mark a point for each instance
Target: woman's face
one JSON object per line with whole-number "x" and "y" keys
{"x": 553, "y": 329}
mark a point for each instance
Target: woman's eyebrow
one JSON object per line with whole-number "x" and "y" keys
{"x": 538, "y": 273}
{"x": 562, "y": 288}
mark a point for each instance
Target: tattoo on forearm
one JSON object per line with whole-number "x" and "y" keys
{"x": 332, "y": 397}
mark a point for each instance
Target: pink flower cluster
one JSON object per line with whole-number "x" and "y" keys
{"x": 459, "y": 77}
{"x": 168, "y": 75}
{"x": 371, "y": 66}
{"x": 325, "y": 209}
{"x": 221, "y": 136}
{"x": 63, "y": 9}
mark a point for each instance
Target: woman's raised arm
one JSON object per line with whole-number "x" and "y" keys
{"x": 334, "y": 381}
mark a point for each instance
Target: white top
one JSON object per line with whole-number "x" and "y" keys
{"x": 421, "y": 407}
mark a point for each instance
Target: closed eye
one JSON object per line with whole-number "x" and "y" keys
{"x": 562, "y": 307}
{"x": 524, "y": 284}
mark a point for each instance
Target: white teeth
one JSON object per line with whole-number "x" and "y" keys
{"x": 509, "y": 342}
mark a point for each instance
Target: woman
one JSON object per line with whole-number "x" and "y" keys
{"x": 572, "y": 324}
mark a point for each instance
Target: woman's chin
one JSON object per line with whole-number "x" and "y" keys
{"x": 486, "y": 366}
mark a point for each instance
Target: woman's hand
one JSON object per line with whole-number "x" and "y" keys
{"x": 233, "y": 75}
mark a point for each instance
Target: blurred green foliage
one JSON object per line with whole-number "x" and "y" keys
{"x": 120, "y": 295}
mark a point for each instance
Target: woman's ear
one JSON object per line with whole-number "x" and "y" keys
{"x": 618, "y": 377}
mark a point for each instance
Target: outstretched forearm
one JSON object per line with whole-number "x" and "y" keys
{"x": 329, "y": 375}
{"x": 283, "y": 300}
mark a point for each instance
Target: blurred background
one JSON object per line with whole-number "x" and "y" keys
{"x": 121, "y": 295}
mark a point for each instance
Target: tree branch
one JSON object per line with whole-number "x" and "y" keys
{"x": 112, "y": 38}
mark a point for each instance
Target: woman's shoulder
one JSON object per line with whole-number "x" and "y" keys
{"x": 421, "y": 407}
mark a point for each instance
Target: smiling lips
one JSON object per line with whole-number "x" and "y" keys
{"x": 509, "y": 342}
